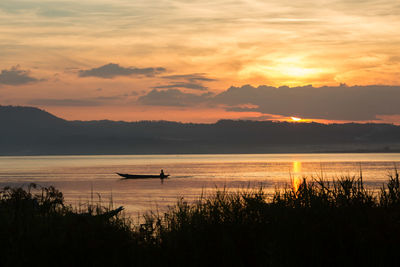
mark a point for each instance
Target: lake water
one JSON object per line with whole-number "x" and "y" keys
{"x": 191, "y": 175}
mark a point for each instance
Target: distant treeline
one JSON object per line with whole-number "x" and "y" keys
{"x": 31, "y": 131}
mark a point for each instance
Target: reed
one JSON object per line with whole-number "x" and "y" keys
{"x": 319, "y": 223}
{"x": 37, "y": 227}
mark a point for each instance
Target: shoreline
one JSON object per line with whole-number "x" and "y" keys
{"x": 358, "y": 151}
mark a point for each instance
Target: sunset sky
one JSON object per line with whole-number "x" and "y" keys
{"x": 200, "y": 61}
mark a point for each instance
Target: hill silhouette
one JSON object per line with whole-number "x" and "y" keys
{"x": 31, "y": 131}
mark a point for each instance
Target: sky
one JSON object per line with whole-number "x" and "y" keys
{"x": 201, "y": 61}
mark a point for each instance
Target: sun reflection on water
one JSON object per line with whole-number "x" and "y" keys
{"x": 296, "y": 179}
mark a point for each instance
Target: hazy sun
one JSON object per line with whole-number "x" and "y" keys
{"x": 295, "y": 118}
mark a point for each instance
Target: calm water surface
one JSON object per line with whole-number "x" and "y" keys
{"x": 191, "y": 175}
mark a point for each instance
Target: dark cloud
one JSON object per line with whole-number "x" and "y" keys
{"x": 353, "y": 103}
{"x": 338, "y": 103}
{"x": 263, "y": 117}
{"x": 112, "y": 70}
{"x": 16, "y": 76}
{"x": 194, "y": 86}
{"x": 95, "y": 101}
{"x": 134, "y": 93}
{"x": 195, "y": 77}
{"x": 186, "y": 81}
{"x": 342, "y": 102}
{"x": 172, "y": 97}
{"x": 64, "y": 102}
{"x": 242, "y": 108}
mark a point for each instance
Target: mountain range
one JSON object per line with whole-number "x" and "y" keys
{"x": 32, "y": 131}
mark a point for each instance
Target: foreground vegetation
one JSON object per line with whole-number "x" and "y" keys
{"x": 320, "y": 223}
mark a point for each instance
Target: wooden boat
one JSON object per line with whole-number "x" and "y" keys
{"x": 141, "y": 176}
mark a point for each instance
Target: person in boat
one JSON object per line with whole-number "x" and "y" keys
{"x": 162, "y": 175}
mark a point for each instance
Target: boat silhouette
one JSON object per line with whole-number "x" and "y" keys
{"x": 142, "y": 176}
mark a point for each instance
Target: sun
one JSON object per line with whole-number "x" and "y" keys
{"x": 296, "y": 118}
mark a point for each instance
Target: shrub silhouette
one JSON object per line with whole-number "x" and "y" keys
{"x": 320, "y": 223}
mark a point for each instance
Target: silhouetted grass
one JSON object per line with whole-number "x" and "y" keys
{"x": 37, "y": 228}
{"x": 321, "y": 223}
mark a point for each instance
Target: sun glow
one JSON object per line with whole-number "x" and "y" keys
{"x": 296, "y": 72}
{"x": 291, "y": 70}
{"x": 296, "y": 118}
